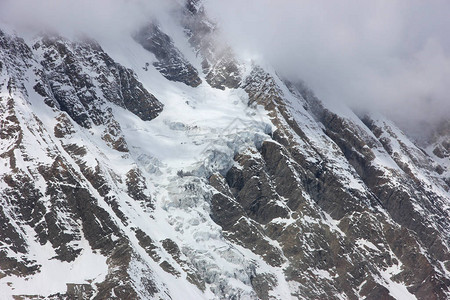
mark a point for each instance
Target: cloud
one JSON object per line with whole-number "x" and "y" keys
{"x": 102, "y": 18}
{"x": 388, "y": 55}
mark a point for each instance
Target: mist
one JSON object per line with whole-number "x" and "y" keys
{"x": 97, "y": 18}
{"x": 391, "y": 56}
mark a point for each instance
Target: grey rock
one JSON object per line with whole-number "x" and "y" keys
{"x": 171, "y": 63}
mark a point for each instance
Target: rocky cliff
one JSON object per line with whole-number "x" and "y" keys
{"x": 161, "y": 177}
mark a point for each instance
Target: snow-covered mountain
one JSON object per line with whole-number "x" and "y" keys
{"x": 167, "y": 167}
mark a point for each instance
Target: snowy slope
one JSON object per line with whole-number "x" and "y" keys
{"x": 121, "y": 180}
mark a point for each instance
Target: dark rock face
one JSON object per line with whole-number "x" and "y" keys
{"x": 223, "y": 72}
{"x": 326, "y": 207}
{"x": 219, "y": 64}
{"x": 302, "y": 244}
{"x": 79, "y": 291}
{"x": 51, "y": 198}
{"x": 441, "y": 141}
{"x": 439, "y": 147}
{"x": 67, "y": 66}
{"x": 80, "y": 79}
{"x": 401, "y": 202}
{"x": 137, "y": 187}
{"x": 18, "y": 195}
{"x": 275, "y": 189}
{"x": 171, "y": 62}
{"x": 228, "y": 213}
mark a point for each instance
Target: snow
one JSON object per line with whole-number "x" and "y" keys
{"x": 396, "y": 290}
{"x": 366, "y": 244}
{"x": 333, "y": 224}
{"x": 322, "y": 273}
{"x": 88, "y": 268}
{"x": 198, "y": 133}
{"x": 318, "y": 141}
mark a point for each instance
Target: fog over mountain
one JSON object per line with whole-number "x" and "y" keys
{"x": 392, "y": 56}
{"x": 101, "y": 17}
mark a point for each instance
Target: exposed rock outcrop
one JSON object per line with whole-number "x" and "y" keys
{"x": 265, "y": 194}
{"x": 219, "y": 64}
{"x": 171, "y": 62}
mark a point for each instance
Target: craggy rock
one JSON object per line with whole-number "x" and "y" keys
{"x": 314, "y": 204}
{"x": 171, "y": 63}
{"x": 218, "y": 64}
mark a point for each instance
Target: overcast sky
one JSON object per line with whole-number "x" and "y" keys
{"x": 112, "y": 18}
{"x": 388, "y": 55}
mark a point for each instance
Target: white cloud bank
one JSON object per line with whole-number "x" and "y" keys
{"x": 388, "y": 55}
{"x": 110, "y": 18}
